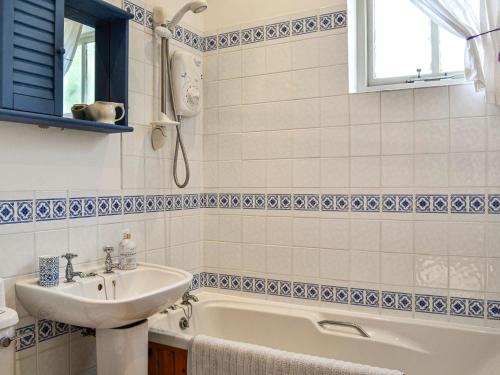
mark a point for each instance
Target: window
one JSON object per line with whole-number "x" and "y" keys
{"x": 398, "y": 46}
{"x": 79, "y": 80}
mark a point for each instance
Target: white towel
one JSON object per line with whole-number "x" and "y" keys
{"x": 213, "y": 356}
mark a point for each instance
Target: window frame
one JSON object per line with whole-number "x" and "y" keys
{"x": 361, "y": 36}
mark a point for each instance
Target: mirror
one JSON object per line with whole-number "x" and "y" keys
{"x": 79, "y": 65}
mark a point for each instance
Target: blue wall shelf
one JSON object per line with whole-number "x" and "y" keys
{"x": 61, "y": 122}
{"x": 31, "y": 63}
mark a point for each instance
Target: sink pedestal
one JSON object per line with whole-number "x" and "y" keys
{"x": 123, "y": 351}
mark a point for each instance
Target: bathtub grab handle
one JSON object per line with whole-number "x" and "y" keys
{"x": 358, "y": 328}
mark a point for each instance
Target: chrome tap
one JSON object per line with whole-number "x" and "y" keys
{"x": 108, "y": 262}
{"x": 187, "y": 298}
{"x": 70, "y": 273}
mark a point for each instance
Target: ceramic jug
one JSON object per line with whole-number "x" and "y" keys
{"x": 104, "y": 112}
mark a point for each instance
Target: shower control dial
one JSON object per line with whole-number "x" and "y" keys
{"x": 193, "y": 96}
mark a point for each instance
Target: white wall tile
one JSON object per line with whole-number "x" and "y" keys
{"x": 464, "y": 101}
{"x": 397, "y": 138}
{"x": 306, "y": 232}
{"x": 365, "y": 171}
{"x": 431, "y": 237}
{"x": 305, "y": 262}
{"x": 279, "y": 260}
{"x": 306, "y": 172}
{"x": 466, "y": 239}
{"x": 468, "y": 134}
{"x": 468, "y": 169}
{"x": 334, "y": 264}
{"x": 305, "y": 54}
{"x": 431, "y": 103}
{"x": 335, "y": 172}
{"x": 254, "y": 61}
{"x": 397, "y": 269}
{"x": 334, "y": 234}
{"x": 397, "y": 236}
{"x": 397, "y": 106}
{"x": 335, "y": 141}
{"x": 431, "y": 170}
{"x": 279, "y": 173}
{"x": 278, "y": 58}
{"x": 18, "y": 254}
{"x": 432, "y": 136}
{"x": 230, "y": 92}
{"x": 334, "y": 111}
{"x": 364, "y": 266}
{"x": 279, "y": 231}
{"x": 365, "y": 140}
{"x": 364, "y": 108}
{"x": 333, "y": 50}
{"x": 365, "y": 235}
{"x": 333, "y": 80}
{"x": 431, "y": 271}
{"x": 467, "y": 273}
{"x": 397, "y": 171}
{"x": 230, "y": 65}
{"x": 305, "y": 83}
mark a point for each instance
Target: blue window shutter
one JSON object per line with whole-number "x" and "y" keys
{"x": 34, "y": 73}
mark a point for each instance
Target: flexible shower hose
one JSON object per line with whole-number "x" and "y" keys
{"x": 179, "y": 142}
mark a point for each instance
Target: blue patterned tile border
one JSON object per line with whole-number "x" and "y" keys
{"x": 42, "y": 330}
{"x": 337, "y": 294}
{"x": 295, "y": 27}
{"x": 49, "y": 209}
{"x": 368, "y": 203}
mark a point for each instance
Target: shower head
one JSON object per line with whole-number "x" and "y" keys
{"x": 196, "y": 6}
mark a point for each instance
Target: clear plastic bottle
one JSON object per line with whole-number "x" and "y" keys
{"x": 128, "y": 253}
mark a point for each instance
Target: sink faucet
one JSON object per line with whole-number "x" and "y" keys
{"x": 70, "y": 273}
{"x": 108, "y": 262}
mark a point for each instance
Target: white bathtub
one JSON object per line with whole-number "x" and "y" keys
{"x": 414, "y": 346}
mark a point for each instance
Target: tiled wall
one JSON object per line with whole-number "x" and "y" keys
{"x": 386, "y": 202}
{"x": 75, "y": 191}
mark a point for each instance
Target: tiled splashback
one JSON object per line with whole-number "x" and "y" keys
{"x": 386, "y": 201}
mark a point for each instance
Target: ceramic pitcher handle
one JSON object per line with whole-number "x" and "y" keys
{"x": 122, "y": 107}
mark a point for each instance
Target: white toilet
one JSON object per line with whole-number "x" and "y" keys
{"x": 8, "y": 321}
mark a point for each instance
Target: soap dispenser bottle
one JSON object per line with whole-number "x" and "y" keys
{"x": 128, "y": 254}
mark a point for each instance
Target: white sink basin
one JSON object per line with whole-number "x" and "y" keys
{"x": 108, "y": 300}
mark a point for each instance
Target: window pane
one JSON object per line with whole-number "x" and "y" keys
{"x": 401, "y": 40}
{"x": 73, "y": 82}
{"x": 90, "y": 79}
{"x": 451, "y": 52}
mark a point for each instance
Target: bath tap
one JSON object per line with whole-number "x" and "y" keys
{"x": 187, "y": 298}
{"x": 108, "y": 262}
{"x": 70, "y": 273}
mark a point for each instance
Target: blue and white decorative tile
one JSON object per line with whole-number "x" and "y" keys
{"x": 357, "y": 296}
{"x": 312, "y": 202}
{"x": 212, "y": 280}
{"x": 179, "y": 33}
{"x": 248, "y": 201}
{"x": 188, "y": 38}
{"x": 246, "y": 36}
{"x": 402, "y": 203}
{"x": 212, "y": 200}
{"x": 312, "y": 291}
{"x": 285, "y": 288}
{"x": 195, "y": 282}
{"x": 326, "y": 21}
{"x": 27, "y": 337}
{"x": 223, "y": 40}
{"x": 341, "y": 295}
{"x": 224, "y": 200}
{"x": 299, "y": 290}
{"x": 327, "y": 202}
{"x": 247, "y": 284}
{"x": 431, "y": 304}
{"x": 285, "y": 201}
{"x": 389, "y": 300}
{"x": 139, "y": 15}
{"x": 284, "y": 29}
{"x": 224, "y": 281}
{"x": 7, "y": 212}
{"x": 341, "y": 202}
{"x": 340, "y": 19}
{"x": 234, "y": 282}
{"x": 365, "y": 297}
{"x": 493, "y": 310}
{"x": 327, "y": 293}
{"x": 258, "y": 34}
{"x": 299, "y": 202}
{"x": 273, "y": 202}
{"x": 235, "y": 200}
{"x": 260, "y": 285}
{"x": 365, "y": 203}
{"x": 60, "y": 329}
{"x": 139, "y": 206}
{"x": 24, "y": 211}
{"x": 272, "y": 31}
{"x": 234, "y": 38}
{"x": 431, "y": 203}
{"x": 82, "y": 207}
{"x": 148, "y": 21}
{"x": 273, "y": 287}
{"x": 128, "y": 204}
{"x": 160, "y": 203}
{"x": 150, "y": 203}
{"x": 50, "y": 209}
{"x": 128, "y": 7}
{"x": 196, "y": 41}
{"x": 397, "y": 301}
{"x": 260, "y": 201}
{"x": 494, "y": 203}
{"x": 298, "y": 26}
{"x": 45, "y": 329}
{"x": 210, "y": 43}
{"x": 467, "y": 203}
{"x": 178, "y": 202}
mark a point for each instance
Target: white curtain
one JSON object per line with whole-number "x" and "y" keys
{"x": 468, "y": 18}
{"x": 72, "y": 32}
